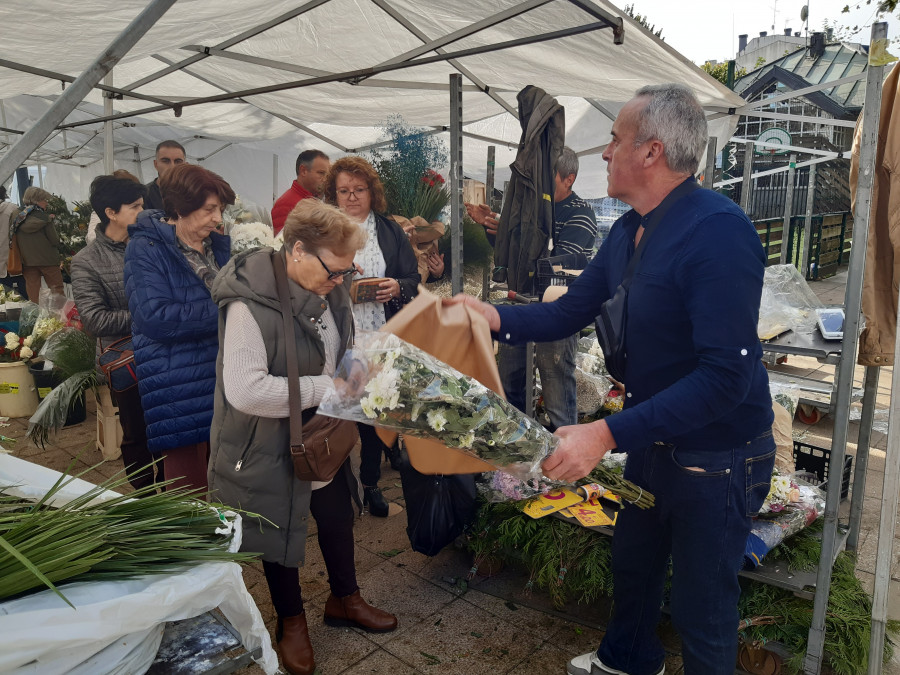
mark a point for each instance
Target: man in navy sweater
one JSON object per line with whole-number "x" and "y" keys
{"x": 697, "y": 418}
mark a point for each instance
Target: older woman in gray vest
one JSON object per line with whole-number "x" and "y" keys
{"x": 250, "y": 465}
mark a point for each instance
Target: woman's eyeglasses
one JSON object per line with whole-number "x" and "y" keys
{"x": 357, "y": 193}
{"x": 337, "y": 275}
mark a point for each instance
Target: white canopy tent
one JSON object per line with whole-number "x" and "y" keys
{"x": 365, "y": 58}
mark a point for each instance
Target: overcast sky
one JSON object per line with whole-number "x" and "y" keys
{"x": 706, "y": 30}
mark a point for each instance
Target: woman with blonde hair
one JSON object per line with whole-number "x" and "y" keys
{"x": 38, "y": 244}
{"x": 251, "y": 465}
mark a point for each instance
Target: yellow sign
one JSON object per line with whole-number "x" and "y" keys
{"x": 553, "y": 501}
{"x": 590, "y": 513}
{"x": 43, "y": 391}
{"x": 9, "y": 388}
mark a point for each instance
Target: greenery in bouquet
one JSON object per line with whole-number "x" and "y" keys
{"x": 431, "y": 196}
{"x": 9, "y": 295}
{"x": 402, "y": 160}
{"x": 249, "y": 236}
{"x": 477, "y": 251}
{"x": 388, "y": 382}
{"x": 43, "y": 544}
{"x": 15, "y": 348}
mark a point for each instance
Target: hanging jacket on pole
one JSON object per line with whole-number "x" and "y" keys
{"x": 526, "y": 221}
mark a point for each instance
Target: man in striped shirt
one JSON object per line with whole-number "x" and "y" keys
{"x": 574, "y": 231}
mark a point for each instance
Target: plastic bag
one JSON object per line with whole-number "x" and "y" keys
{"x": 787, "y": 303}
{"x": 118, "y": 625}
{"x": 591, "y": 383}
{"x": 438, "y": 508}
{"x": 244, "y": 211}
{"x": 387, "y": 382}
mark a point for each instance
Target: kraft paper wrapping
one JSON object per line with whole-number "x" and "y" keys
{"x": 460, "y": 337}
{"x": 423, "y": 239}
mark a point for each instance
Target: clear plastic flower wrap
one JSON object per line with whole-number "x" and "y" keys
{"x": 787, "y": 303}
{"x": 387, "y": 382}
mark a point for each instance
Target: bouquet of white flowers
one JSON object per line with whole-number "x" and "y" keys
{"x": 387, "y": 382}
{"x": 248, "y": 236}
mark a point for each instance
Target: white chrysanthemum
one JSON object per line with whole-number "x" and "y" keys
{"x": 367, "y": 408}
{"x": 391, "y": 356}
{"x": 436, "y": 419}
{"x": 25, "y": 353}
{"x": 246, "y": 236}
{"x": 384, "y": 391}
{"x": 468, "y": 440}
{"x": 12, "y": 341}
{"x": 29, "y": 340}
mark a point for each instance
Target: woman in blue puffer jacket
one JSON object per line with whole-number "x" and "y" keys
{"x": 170, "y": 264}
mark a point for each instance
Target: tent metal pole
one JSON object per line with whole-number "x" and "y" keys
{"x": 710, "y": 170}
{"x": 807, "y": 222}
{"x": 747, "y": 187}
{"x": 274, "y": 177}
{"x": 456, "y": 183}
{"x": 74, "y": 94}
{"x": 355, "y": 76}
{"x": 107, "y": 127}
{"x": 40, "y": 175}
{"x": 769, "y": 172}
{"x": 489, "y": 200}
{"x": 788, "y": 208}
{"x": 870, "y": 390}
{"x": 246, "y": 35}
{"x": 62, "y": 77}
{"x": 750, "y": 108}
{"x": 844, "y": 375}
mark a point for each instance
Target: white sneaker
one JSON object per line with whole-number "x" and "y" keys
{"x": 590, "y": 664}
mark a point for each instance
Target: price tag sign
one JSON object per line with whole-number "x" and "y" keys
{"x": 590, "y": 513}
{"x": 6, "y": 388}
{"x": 553, "y": 501}
{"x": 43, "y": 391}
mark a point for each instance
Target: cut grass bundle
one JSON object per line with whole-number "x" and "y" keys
{"x": 89, "y": 539}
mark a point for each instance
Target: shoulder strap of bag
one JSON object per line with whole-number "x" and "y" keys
{"x": 688, "y": 186}
{"x": 290, "y": 348}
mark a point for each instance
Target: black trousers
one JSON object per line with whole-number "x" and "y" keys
{"x": 134, "y": 440}
{"x": 371, "y": 452}
{"x": 332, "y": 508}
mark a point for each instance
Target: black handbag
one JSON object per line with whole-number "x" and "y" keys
{"x": 438, "y": 508}
{"x": 612, "y": 320}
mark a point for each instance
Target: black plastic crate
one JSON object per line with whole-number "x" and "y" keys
{"x": 816, "y": 460}
{"x": 545, "y": 275}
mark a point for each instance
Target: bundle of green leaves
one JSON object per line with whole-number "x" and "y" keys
{"x": 89, "y": 539}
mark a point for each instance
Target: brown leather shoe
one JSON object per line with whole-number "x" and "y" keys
{"x": 292, "y": 636}
{"x": 355, "y": 612}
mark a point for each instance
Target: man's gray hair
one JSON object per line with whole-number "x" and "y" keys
{"x": 674, "y": 116}
{"x": 567, "y": 164}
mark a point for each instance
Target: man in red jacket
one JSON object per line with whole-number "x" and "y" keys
{"x": 312, "y": 168}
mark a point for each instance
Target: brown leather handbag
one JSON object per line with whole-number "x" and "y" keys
{"x": 14, "y": 262}
{"x": 321, "y": 445}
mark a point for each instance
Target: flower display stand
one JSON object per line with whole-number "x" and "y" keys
{"x": 18, "y": 395}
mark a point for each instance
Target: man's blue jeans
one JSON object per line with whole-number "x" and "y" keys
{"x": 701, "y": 518}
{"x": 555, "y": 362}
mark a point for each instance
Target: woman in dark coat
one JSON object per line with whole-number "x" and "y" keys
{"x": 251, "y": 466}
{"x": 170, "y": 265}
{"x": 98, "y": 284}
{"x": 354, "y": 187}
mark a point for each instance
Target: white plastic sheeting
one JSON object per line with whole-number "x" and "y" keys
{"x": 116, "y": 627}
{"x": 335, "y": 36}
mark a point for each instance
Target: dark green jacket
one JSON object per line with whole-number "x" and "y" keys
{"x": 265, "y": 483}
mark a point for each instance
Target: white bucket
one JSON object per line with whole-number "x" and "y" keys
{"x": 18, "y": 396}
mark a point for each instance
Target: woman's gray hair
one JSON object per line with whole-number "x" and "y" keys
{"x": 34, "y": 194}
{"x": 673, "y": 116}
{"x": 567, "y": 164}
